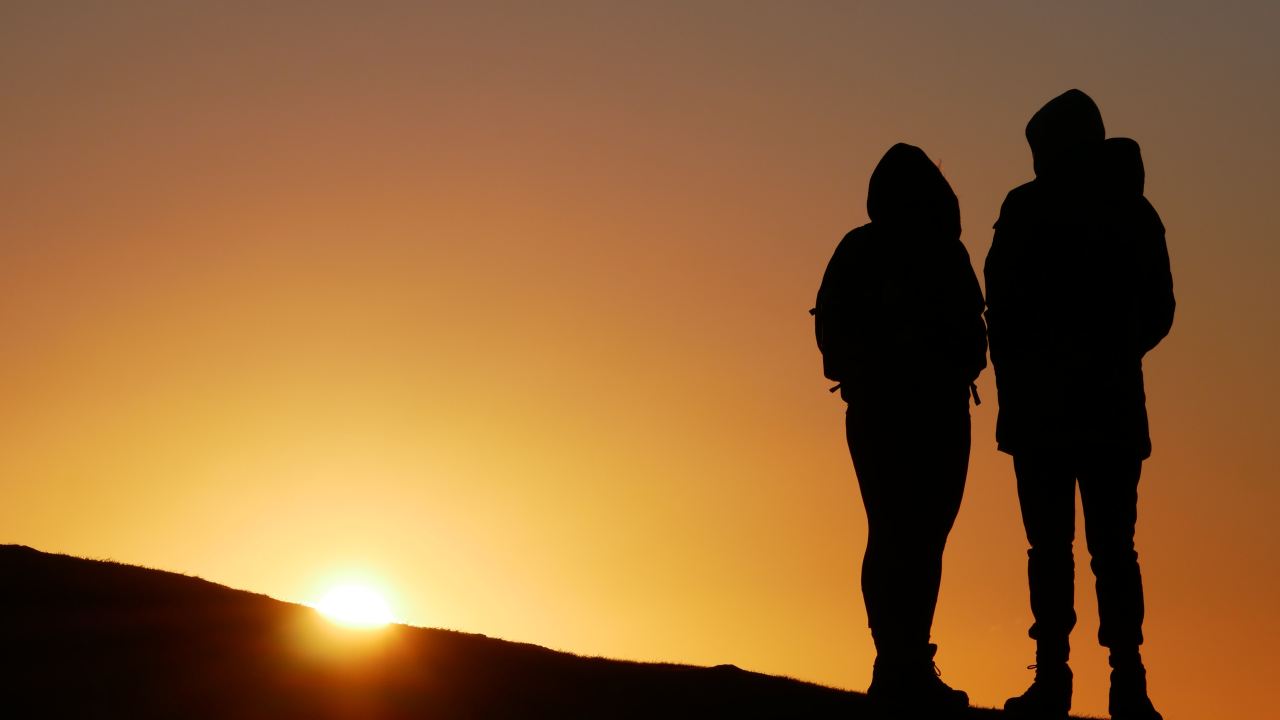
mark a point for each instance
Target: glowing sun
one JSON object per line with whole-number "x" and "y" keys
{"x": 355, "y": 606}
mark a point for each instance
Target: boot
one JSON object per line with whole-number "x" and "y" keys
{"x": 909, "y": 686}
{"x": 1048, "y": 698}
{"x": 1128, "y": 699}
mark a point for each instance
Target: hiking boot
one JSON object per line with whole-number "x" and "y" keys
{"x": 1048, "y": 698}
{"x": 913, "y": 687}
{"x": 1128, "y": 699}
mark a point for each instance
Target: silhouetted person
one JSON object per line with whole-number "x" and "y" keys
{"x": 1078, "y": 290}
{"x": 899, "y": 323}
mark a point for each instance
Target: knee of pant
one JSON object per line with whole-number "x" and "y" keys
{"x": 1113, "y": 558}
{"x": 909, "y": 546}
{"x": 895, "y": 535}
{"x": 1112, "y": 549}
{"x": 1055, "y": 553}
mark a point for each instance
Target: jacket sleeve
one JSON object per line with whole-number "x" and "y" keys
{"x": 1002, "y": 304}
{"x": 1155, "y": 303}
{"x": 846, "y": 323}
{"x": 1016, "y": 330}
{"x": 972, "y": 329}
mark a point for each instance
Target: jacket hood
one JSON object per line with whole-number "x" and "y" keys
{"x": 1065, "y": 135}
{"x": 1122, "y": 166}
{"x": 907, "y": 188}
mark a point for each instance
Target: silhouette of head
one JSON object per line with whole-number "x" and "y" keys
{"x": 907, "y": 189}
{"x": 1065, "y": 136}
{"x": 1122, "y": 166}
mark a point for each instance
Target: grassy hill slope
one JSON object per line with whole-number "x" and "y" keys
{"x": 92, "y": 639}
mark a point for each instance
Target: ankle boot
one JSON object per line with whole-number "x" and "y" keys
{"x": 1128, "y": 699}
{"x": 910, "y": 685}
{"x": 1048, "y": 698}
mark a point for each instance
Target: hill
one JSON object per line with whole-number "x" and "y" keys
{"x": 83, "y": 638}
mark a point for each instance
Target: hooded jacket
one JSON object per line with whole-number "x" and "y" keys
{"x": 899, "y": 311}
{"x": 1078, "y": 290}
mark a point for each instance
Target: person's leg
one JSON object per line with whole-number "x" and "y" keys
{"x": 911, "y": 480}
{"x": 872, "y": 463}
{"x": 1047, "y": 497}
{"x": 941, "y": 465}
{"x": 1046, "y": 494}
{"x": 911, "y": 466}
{"x": 1109, "y": 494}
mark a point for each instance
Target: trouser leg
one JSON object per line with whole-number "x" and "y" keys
{"x": 1046, "y": 494}
{"x": 941, "y": 473}
{"x": 911, "y": 488}
{"x": 1109, "y": 495}
{"x": 883, "y": 585}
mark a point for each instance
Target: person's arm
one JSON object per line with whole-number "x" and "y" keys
{"x": 969, "y": 331}
{"x": 1001, "y": 305}
{"x": 1155, "y": 303}
{"x": 1014, "y": 332}
{"x": 845, "y": 324}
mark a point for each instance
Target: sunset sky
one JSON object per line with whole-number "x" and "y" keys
{"x": 502, "y": 307}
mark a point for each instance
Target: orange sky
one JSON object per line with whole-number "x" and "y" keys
{"x": 504, "y": 306}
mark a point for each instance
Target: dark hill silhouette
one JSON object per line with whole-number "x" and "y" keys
{"x": 83, "y": 638}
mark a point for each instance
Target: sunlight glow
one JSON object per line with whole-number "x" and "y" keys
{"x": 355, "y": 606}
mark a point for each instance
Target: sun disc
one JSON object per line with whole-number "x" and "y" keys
{"x": 355, "y": 606}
